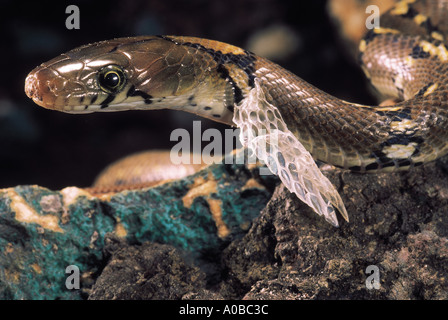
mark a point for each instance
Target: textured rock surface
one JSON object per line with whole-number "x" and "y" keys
{"x": 149, "y": 271}
{"x": 42, "y": 231}
{"x": 398, "y": 222}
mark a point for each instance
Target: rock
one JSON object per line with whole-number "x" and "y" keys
{"x": 43, "y": 231}
{"x": 41, "y": 236}
{"x": 148, "y": 271}
{"x": 398, "y": 222}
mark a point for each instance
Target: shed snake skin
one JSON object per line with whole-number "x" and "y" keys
{"x": 286, "y": 122}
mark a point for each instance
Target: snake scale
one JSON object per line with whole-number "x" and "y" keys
{"x": 287, "y": 122}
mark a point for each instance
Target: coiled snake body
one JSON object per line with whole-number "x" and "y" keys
{"x": 234, "y": 86}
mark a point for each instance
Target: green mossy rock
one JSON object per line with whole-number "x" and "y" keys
{"x": 42, "y": 232}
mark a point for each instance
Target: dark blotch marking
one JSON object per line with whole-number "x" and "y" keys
{"x": 404, "y": 162}
{"x": 132, "y": 92}
{"x": 114, "y": 49}
{"x": 92, "y": 101}
{"x": 402, "y": 139}
{"x": 399, "y": 115}
{"x": 108, "y": 100}
{"x": 382, "y": 160}
{"x": 190, "y": 101}
{"x": 207, "y": 108}
{"x": 411, "y": 13}
{"x": 243, "y": 61}
{"x": 369, "y": 36}
{"x": 391, "y": 163}
{"x": 355, "y": 169}
{"x": 372, "y": 166}
{"x": 238, "y": 94}
{"x": 399, "y": 90}
{"x": 216, "y": 115}
{"x": 429, "y": 26}
{"x": 419, "y": 53}
{"x": 422, "y": 91}
{"x": 224, "y": 73}
{"x": 86, "y": 107}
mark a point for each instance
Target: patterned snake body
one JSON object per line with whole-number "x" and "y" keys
{"x": 211, "y": 79}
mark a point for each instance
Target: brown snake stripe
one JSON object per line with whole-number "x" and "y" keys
{"x": 406, "y": 58}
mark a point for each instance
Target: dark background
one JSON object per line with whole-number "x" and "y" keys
{"x": 55, "y": 150}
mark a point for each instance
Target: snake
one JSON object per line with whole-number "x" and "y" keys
{"x": 287, "y": 122}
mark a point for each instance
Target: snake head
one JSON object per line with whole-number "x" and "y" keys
{"x": 83, "y": 80}
{"x": 133, "y": 73}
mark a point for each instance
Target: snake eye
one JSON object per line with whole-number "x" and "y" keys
{"x": 111, "y": 79}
